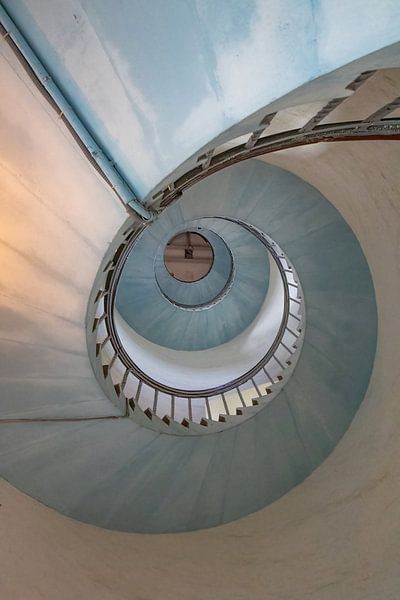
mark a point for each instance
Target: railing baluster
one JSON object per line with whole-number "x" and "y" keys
{"x": 385, "y": 110}
{"x": 100, "y": 294}
{"x": 321, "y": 114}
{"x": 155, "y": 401}
{"x": 286, "y": 347}
{"x": 190, "y": 409}
{"x": 257, "y": 133}
{"x": 225, "y": 404}
{"x": 294, "y": 316}
{"x": 241, "y": 397}
{"x": 97, "y": 321}
{"x": 268, "y": 375}
{"x": 124, "y": 380}
{"x": 208, "y": 408}
{"x": 138, "y": 391}
{"x": 104, "y": 342}
{"x": 279, "y": 362}
{"x": 256, "y": 387}
{"x": 107, "y": 368}
{"x": 205, "y": 159}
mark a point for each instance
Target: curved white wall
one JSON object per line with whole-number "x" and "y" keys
{"x": 156, "y": 81}
{"x": 56, "y": 218}
{"x": 336, "y": 535}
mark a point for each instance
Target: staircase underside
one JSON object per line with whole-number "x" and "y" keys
{"x": 333, "y": 535}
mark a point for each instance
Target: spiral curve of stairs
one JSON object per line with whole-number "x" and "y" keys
{"x": 222, "y": 476}
{"x": 76, "y": 441}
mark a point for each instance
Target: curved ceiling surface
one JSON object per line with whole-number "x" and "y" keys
{"x": 155, "y": 82}
{"x": 333, "y": 535}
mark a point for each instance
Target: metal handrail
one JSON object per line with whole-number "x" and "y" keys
{"x": 290, "y": 335}
{"x": 109, "y": 295}
{"x": 356, "y": 130}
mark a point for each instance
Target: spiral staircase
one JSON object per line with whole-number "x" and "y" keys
{"x": 262, "y": 397}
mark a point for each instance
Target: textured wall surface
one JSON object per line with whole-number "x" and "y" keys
{"x": 170, "y": 484}
{"x": 335, "y": 536}
{"x": 51, "y": 242}
{"x": 157, "y": 80}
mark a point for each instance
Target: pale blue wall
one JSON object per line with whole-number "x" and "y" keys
{"x": 155, "y": 80}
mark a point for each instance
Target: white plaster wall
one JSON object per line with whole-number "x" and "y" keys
{"x": 336, "y": 536}
{"x": 56, "y": 218}
{"x": 158, "y": 80}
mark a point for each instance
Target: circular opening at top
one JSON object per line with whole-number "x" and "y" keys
{"x": 188, "y": 257}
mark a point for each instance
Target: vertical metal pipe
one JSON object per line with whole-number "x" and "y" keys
{"x": 36, "y": 69}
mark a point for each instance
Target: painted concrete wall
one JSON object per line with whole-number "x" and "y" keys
{"x": 49, "y": 199}
{"x": 170, "y": 484}
{"x": 157, "y": 80}
{"x": 296, "y": 105}
{"x": 335, "y": 536}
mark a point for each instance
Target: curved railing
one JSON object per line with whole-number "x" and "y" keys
{"x": 256, "y": 142}
{"x": 225, "y": 403}
{"x": 237, "y": 396}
